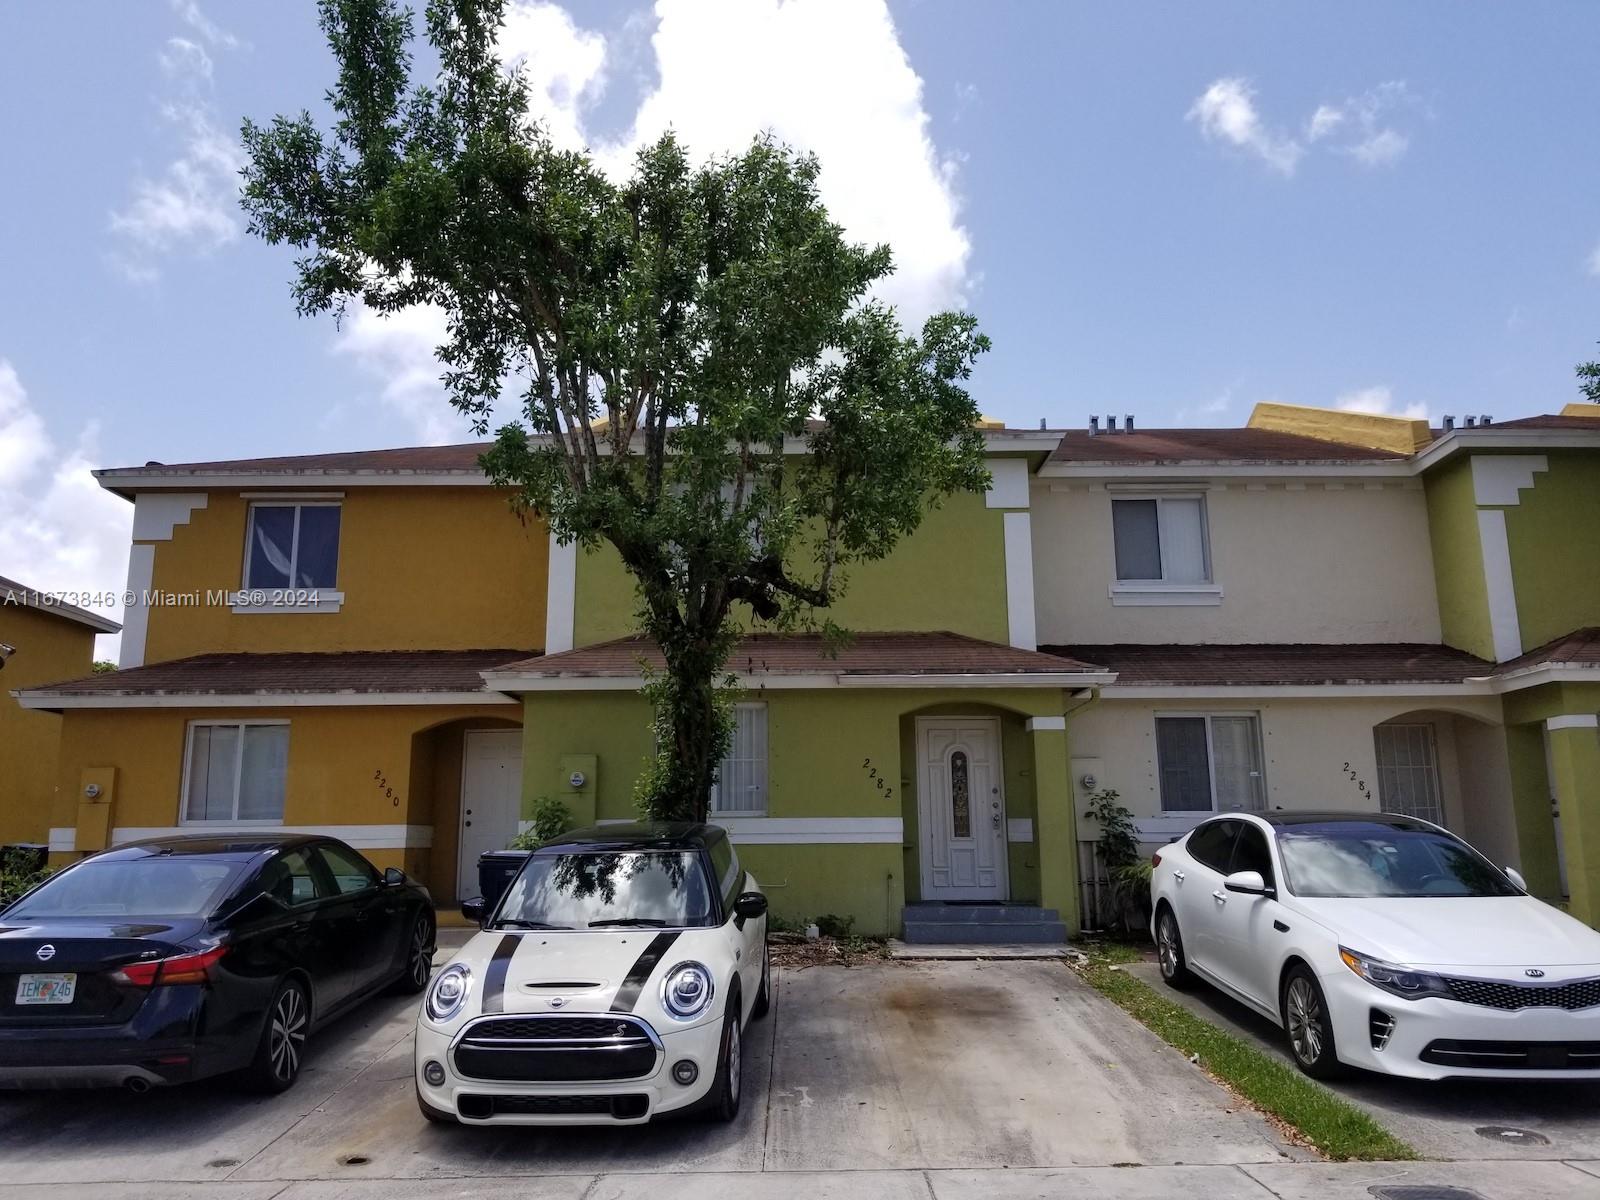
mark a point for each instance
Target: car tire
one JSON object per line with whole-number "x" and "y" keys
{"x": 420, "y": 945}
{"x": 723, "y": 1103}
{"x": 435, "y": 1116}
{"x": 1175, "y": 971}
{"x": 1310, "y": 1029}
{"x": 764, "y": 995}
{"x": 281, "y": 1048}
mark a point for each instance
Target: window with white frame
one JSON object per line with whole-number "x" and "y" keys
{"x": 1408, "y": 771}
{"x": 1161, "y": 539}
{"x": 292, "y": 544}
{"x": 1210, "y": 762}
{"x": 741, "y": 786}
{"x": 235, "y": 771}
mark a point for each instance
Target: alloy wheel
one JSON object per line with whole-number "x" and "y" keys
{"x": 1167, "y": 945}
{"x": 421, "y": 959}
{"x": 288, "y": 1034}
{"x": 735, "y": 1067}
{"x": 1306, "y": 1031}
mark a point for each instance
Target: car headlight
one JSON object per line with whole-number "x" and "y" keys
{"x": 687, "y": 990}
{"x": 1396, "y": 980}
{"x": 449, "y": 992}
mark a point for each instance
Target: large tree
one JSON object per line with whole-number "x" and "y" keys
{"x": 700, "y": 376}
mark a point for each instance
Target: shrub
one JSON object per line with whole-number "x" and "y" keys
{"x": 832, "y": 926}
{"x": 1127, "y": 869}
{"x": 550, "y": 820}
{"x": 20, "y": 870}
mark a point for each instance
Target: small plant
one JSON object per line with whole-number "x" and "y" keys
{"x": 20, "y": 870}
{"x": 838, "y": 928}
{"x": 777, "y": 923}
{"x": 550, "y": 820}
{"x": 1127, "y": 869}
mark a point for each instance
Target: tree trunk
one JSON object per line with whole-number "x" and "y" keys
{"x": 692, "y": 727}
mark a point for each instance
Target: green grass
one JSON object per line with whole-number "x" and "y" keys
{"x": 1335, "y": 1127}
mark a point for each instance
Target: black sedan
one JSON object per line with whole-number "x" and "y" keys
{"x": 177, "y": 958}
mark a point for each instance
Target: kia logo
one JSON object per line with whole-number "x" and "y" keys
{"x": 1534, "y": 973}
{"x": 45, "y": 953}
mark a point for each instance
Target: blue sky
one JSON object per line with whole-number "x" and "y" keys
{"x": 1175, "y": 210}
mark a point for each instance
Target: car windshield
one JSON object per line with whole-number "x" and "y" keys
{"x": 146, "y": 887}
{"x": 609, "y": 888}
{"x": 1359, "y": 859}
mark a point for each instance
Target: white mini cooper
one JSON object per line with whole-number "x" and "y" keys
{"x": 611, "y": 983}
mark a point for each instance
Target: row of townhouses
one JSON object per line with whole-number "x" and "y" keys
{"x": 1319, "y": 610}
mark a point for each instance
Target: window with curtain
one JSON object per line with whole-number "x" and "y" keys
{"x": 236, "y": 771}
{"x": 292, "y": 546}
{"x": 1161, "y": 540}
{"x": 1408, "y": 771}
{"x": 1210, "y": 763}
{"x": 741, "y": 786}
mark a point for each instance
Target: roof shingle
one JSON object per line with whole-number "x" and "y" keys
{"x": 1280, "y": 664}
{"x": 1209, "y": 445}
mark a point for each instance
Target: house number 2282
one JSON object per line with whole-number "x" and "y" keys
{"x": 872, "y": 774}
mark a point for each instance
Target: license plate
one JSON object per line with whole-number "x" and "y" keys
{"x": 46, "y": 989}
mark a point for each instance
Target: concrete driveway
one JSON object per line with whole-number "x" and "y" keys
{"x": 943, "y": 1066}
{"x": 1460, "y": 1119}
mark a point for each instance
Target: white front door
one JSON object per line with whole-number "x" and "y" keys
{"x": 961, "y": 809}
{"x": 491, "y": 799}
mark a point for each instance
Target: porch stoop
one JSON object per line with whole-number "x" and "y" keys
{"x": 939, "y": 924}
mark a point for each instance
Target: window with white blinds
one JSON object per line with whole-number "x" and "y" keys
{"x": 1408, "y": 771}
{"x": 1210, "y": 763}
{"x": 235, "y": 771}
{"x": 741, "y": 786}
{"x": 1161, "y": 539}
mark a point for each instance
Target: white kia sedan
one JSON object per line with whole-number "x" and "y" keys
{"x": 1381, "y": 942}
{"x": 610, "y": 984}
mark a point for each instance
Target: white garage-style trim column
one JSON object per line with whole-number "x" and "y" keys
{"x": 1497, "y": 479}
{"x": 1008, "y": 489}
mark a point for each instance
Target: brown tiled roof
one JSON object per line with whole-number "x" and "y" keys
{"x": 1547, "y": 421}
{"x": 807, "y": 654}
{"x": 405, "y": 458}
{"x": 355, "y": 672}
{"x": 1581, "y": 647}
{"x": 12, "y": 592}
{"x": 1281, "y": 664}
{"x": 1209, "y": 445}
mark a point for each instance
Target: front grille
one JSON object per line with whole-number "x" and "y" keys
{"x": 481, "y": 1108}
{"x": 1489, "y": 993}
{"x": 1514, "y": 1056}
{"x": 557, "y": 1049}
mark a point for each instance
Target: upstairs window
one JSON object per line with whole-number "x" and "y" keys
{"x": 741, "y": 787}
{"x": 292, "y": 545}
{"x": 1161, "y": 540}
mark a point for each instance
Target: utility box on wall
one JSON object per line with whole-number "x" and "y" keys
{"x": 97, "y": 794}
{"x": 579, "y": 785}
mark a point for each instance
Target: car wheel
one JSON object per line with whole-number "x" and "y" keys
{"x": 1175, "y": 971}
{"x": 419, "y": 955}
{"x": 436, "y": 1116}
{"x": 727, "y": 1091}
{"x": 764, "y": 996}
{"x": 1310, "y": 1029}
{"x": 283, "y": 1040}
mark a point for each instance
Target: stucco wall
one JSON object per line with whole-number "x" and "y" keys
{"x": 1555, "y": 548}
{"x": 420, "y": 568}
{"x": 49, "y": 649}
{"x": 950, "y": 574}
{"x": 1458, "y": 559}
{"x": 1311, "y": 565}
{"x": 1306, "y": 746}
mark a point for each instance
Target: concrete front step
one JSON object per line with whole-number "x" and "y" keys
{"x": 977, "y": 914}
{"x": 936, "y": 933}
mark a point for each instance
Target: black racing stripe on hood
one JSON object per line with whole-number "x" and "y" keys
{"x": 639, "y": 973}
{"x": 494, "y": 979}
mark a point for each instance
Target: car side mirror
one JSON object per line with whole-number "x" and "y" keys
{"x": 750, "y": 905}
{"x": 393, "y": 877}
{"x": 474, "y": 909}
{"x": 1248, "y": 883}
{"x": 1516, "y": 877}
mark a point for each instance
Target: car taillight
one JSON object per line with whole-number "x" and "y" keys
{"x": 185, "y": 968}
{"x": 1155, "y": 859}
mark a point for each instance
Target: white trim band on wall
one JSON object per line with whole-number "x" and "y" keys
{"x": 1044, "y": 724}
{"x": 63, "y": 839}
{"x": 362, "y": 837}
{"x": 1573, "y": 721}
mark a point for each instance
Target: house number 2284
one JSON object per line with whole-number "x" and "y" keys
{"x": 872, "y": 774}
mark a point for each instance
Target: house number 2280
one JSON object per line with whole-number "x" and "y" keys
{"x": 382, "y": 781}
{"x": 872, "y": 774}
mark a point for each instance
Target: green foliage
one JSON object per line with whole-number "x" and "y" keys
{"x": 20, "y": 870}
{"x": 1333, "y": 1125}
{"x": 104, "y": 666}
{"x": 829, "y": 925}
{"x": 550, "y": 820}
{"x": 1589, "y": 380}
{"x": 699, "y": 375}
{"x": 1127, "y": 869}
{"x": 777, "y": 923}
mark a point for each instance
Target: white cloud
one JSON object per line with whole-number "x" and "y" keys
{"x": 184, "y": 58}
{"x": 62, "y": 532}
{"x": 190, "y": 13}
{"x": 1379, "y": 399}
{"x": 1360, "y": 127}
{"x": 1593, "y": 262}
{"x": 1226, "y": 112}
{"x": 827, "y": 76}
